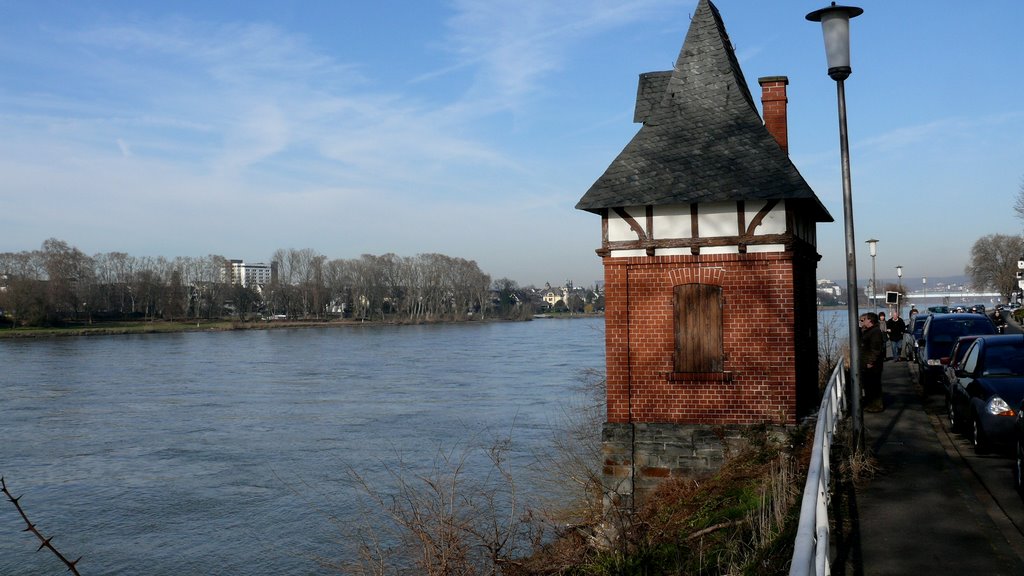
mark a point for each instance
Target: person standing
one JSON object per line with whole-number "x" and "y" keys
{"x": 872, "y": 354}
{"x": 910, "y": 347}
{"x": 896, "y": 328}
{"x": 884, "y": 327}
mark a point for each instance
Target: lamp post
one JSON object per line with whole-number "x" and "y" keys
{"x": 835, "y": 26}
{"x": 873, "y": 250}
{"x": 899, "y": 291}
{"x": 924, "y": 285}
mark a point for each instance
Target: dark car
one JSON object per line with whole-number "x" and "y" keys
{"x": 949, "y": 378}
{"x": 938, "y": 335}
{"x": 989, "y": 388}
{"x": 939, "y": 309}
{"x": 915, "y": 330}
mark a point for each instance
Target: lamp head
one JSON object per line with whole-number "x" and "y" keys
{"x": 835, "y": 25}
{"x": 872, "y": 246}
{"x": 899, "y": 271}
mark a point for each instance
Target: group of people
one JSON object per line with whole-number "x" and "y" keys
{"x": 893, "y": 331}
{"x": 877, "y": 334}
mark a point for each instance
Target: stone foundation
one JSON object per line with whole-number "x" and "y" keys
{"x": 637, "y": 457}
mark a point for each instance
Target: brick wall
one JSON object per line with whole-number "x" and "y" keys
{"x": 766, "y": 336}
{"x": 774, "y": 103}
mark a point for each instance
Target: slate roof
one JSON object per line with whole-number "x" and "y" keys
{"x": 702, "y": 139}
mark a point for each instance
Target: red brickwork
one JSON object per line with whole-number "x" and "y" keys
{"x": 773, "y": 103}
{"x": 760, "y": 343}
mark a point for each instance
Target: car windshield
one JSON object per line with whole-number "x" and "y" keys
{"x": 951, "y": 329}
{"x": 1005, "y": 359}
{"x": 918, "y": 325}
{"x": 959, "y": 352}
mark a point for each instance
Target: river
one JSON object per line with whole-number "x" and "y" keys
{"x": 231, "y": 452}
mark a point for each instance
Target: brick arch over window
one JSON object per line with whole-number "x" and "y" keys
{"x": 709, "y": 275}
{"x": 698, "y": 328}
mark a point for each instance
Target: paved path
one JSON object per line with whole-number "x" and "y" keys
{"x": 923, "y": 512}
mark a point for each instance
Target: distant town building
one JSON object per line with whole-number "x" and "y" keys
{"x": 251, "y": 275}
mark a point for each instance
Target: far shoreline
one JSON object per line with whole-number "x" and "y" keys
{"x": 128, "y": 327}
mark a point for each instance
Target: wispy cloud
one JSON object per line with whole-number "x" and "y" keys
{"x": 948, "y": 131}
{"x": 513, "y": 45}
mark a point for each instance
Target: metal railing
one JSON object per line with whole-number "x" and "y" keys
{"x": 810, "y": 551}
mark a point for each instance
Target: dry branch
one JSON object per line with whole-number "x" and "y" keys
{"x": 30, "y": 527}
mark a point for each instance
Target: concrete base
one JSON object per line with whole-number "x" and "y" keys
{"x": 638, "y": 457}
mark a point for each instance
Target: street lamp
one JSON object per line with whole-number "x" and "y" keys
{"x": 835, "y": 25}
{"x": 899, "y": 291}
{"x": 924, "y": 285}
{"x": 873, "y": 249}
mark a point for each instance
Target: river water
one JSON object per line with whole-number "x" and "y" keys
{"x": 230, "y": 452}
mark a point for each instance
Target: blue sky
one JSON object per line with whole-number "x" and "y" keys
{"x": 471, "y": 128}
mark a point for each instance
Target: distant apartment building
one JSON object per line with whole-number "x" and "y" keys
{"x": 829, "y": 287}
{"x": 251, "y": 274}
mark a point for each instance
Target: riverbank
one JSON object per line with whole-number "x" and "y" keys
{"x": 172, "y": 326}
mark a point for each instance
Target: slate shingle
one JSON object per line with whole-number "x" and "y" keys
{"x": 702, "y": 139}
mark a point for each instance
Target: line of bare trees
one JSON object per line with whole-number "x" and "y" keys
{"x": 59, "y": 283}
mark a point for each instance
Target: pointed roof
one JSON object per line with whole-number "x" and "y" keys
{"x": 702, "y": 139}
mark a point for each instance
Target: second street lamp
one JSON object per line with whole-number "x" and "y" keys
{"x": 899, "y": 291}
{"x": 873, "y": 250}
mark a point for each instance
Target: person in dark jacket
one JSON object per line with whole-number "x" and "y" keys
{"x": 872, "y": 354}
{"x": 896, "y": 329}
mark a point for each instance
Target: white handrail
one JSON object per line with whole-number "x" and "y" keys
{"x": 810, "y": 551}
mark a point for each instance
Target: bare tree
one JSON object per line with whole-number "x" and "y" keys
{"x": 70, "y": 275}
{"x": 23, "y": 299}
{"x": 114, "y": 272}
{"x": 60, "y": 282}
{"x": 993, "y": 262}
{"x": 1018, "y": 206}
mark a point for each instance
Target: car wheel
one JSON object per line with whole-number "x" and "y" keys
{"x": 978, "y": 437}
{"x": 951, "y": 414}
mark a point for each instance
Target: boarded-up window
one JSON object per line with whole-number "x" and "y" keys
{"x": 698, "y": 311}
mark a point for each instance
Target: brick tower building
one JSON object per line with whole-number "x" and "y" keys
{"x": 709, "y": 251}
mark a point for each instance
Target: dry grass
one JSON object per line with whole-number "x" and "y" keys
{"x": 739, "y": 521}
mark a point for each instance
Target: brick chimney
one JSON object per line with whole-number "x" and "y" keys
{"x": 773, "y": 103}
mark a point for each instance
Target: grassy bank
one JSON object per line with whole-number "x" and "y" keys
{"x": 172, "y": 326}
{"x": 159, "y": 327}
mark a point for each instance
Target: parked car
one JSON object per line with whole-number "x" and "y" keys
{"x": 939, "y": 309}
{"x": 949, "y": 379}
{"x": 938, "y": 335}
{"x": 915, "y": 331}
{"x": 989, "y": 390}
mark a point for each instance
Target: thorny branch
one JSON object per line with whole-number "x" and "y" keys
{"x": 45, "y": 542}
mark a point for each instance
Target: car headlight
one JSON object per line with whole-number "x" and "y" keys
{"x": 934, "y": 362}
{"x": 998, "y": 407}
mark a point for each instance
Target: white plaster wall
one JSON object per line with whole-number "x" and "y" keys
{"x": 773, "y": 223}
{"x": 618, "y": 228}
{"x": 672, "y": 221}
{"x": 715, "y": 219}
